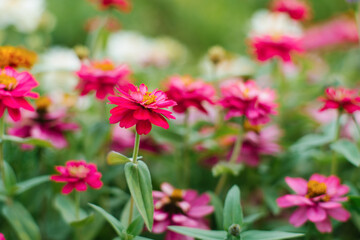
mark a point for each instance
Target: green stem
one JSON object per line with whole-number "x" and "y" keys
{"x": 187, "y": 165}
{"x": 334, "y": 164}
{"x": 77, "y": 205}
{"x": 131, "y": 211}
{"x": 2, "y": 164}
{"x": 356, "y": 123}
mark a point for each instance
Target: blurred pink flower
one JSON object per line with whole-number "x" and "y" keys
{"x": 341, "y": 98}
{"x": 247, "y": 99}
{"x": 2, "y": 236}
{"x": 339, "y": 31}
{"x": 14, "y": 87}
{"x": 187, "y": 92}
{"x": 122, "y": 5}
{"x": 101, "y": 77}
{"x": 318, "y": 199}
{"x": 137, "y": 106}
{"x": 268, "y": 47}
{"x": 123, "y": 140}
{"x": 255, "y": 144}
{"x": 44, "y": 124}
{"x": 297, "y": 9}
{"x": 180, "y": 208}
{"x": 77, "y": 174}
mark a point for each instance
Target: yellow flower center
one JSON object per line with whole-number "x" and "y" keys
{"x": 16, "y": 57}
{"x": 104, "y": 66}
{"x": 177, "y": 195}
{"x": 187, "y": 80}
{"x": 149, "y": 98}
{"x": 249, "y": 127}
{"x": 43, "y": 103}
{"x": 9, "y": 82}
{"x": 315, "y": 189}
{"x": 79, "y": 172}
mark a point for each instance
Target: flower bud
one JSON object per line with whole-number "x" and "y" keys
{"x": 234, "y": 230}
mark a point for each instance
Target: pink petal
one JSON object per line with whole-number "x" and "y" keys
{"x": 167, "y": 188}
{"x": 316, "y": 214}
{"x": 142, "y": 114}
{"x": 329, "y": 205}
{"x": 81, "y": 186}
{"x": 299, "y": 185}
{"x": 339, "y": 214}
{"x": 143, "y": 127}
{"x": 68, "y": 188}
{"x": 299, "y": 217}
{"x": 160, "y": 227}
{"x": 201, "y": 211}
{"x": 293, "y": 200}
{"x": 324, "y": 226}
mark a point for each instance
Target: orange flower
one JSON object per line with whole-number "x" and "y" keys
{"x": 16, "y": 57}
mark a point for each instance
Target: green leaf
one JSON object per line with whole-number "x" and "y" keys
{"x": 31, "y": 141}
{"x": 270, "y": 197}
{"x": 67, "y": 209}
{"x": 253, "y": 218}
{"x": 227, "y": 168}
{"x": 136, "y": 227}
{"x": 142, "y": 238}
{"x": 218, "y": 206}
{"x": 310, "y": 141}
{"x": 22, "y": 222}
{"x": 232, "y": 209}
{"x": 348, "y": 149}
{"x": 126, "y": 212}
{"x": 268, "y": 235}
{"x": 10, "y": 179}
{"x": 199, "y": 233}
{"x": 139, "y": 182}
{"x": 116, "y": 224}
{"x": 26, "y": 185}
{"x": 355, "y": 202}
{"x": 114, "y": 158}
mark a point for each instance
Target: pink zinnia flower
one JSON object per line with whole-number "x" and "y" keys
{"x": 267, "y": 47}
{"x": 2, "y": 237}
{"x": 318, "y": 199}
{"x": 14, "y": 87}
{"x": 122, "y": 5}
{"x": 341, "y": 98}
{"x": 257, "y": 143}
{"x": 189, "y": 93}
{"x": 102, "y": 77}
{"x": 137, "y": 106}
{"x": 180, "y": 208}
{"x": 77, "y": 174}
{"x": 247, "y": 99}
{"x": 297, "y": 9}
{"x": 44, "y": 124}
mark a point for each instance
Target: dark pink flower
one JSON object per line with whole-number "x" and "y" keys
{"x": 180, "y": 208}
{"x": 247, "y": 99}
{"x": 77, "y": 174}
{"x": 318, "y": 200}
{"x": 14, "y": 87}
{"x": 137, "y": 106}
{"x": 44, "y": 124}
{"x": 297, "y": 9}
{"x": 341, "y": 98}
{"x": 268, "y": 47}
{"x": 122, "y": 5}
{"x": 2, "y": 236}
{"x": 102, "y": 77}
{"x": 187, "y": 92}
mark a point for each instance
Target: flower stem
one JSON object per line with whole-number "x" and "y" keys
{"x": 334, "y": 164}
{"x": 131, "y": 210}
{"x": 77, "y": 205}
{"x": 2, "y": 167}
{"x": 356, "y": 123}
{"x": 187, "y": 164}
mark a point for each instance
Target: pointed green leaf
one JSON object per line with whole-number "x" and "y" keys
{"x": 253, "y": 217}
{"x": 142, "y": 238}
{"x": 67, "y": 209}
{"x": 10, "y": 179}
{"x": 116, "y": 224}
{"x": 21, "y": 221}
{"x": 28, "y": 184}
{"x": 139, "y": 182}
{"x": 218, "y": 206}
{"x": 114, "y": 158}
{"x": 199, "y": 233}
{"x": 348, "y": 149}
{"x": 232, "y": 209}
{"x": 31, "y": 141}
{"x": 126, "y": 212}
{"x": 268, "y": 235}
{"x": 136, "y": 227}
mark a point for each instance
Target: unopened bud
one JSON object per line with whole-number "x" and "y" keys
{"x": 234, "y": 230}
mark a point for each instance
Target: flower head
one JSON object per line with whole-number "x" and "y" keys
{"x": 341, "y": 98}
{"x": 137, "y": 106}
{"x": 317, "y": 199}
{"x": 187, "y": 92}
{"x": 122, "y": 5}
{"x": 77, "y": 174}
{"x": 102, "y": 77}
{"x": 2, "y": 237}
{"x": 181, "y": 208}
{"x": 297, "y": 9}
{"x": 16, "y": 57}
{"x": 44, "y": 123}
{"x": 247, "y": 99}
{"x": 14, "y": 87}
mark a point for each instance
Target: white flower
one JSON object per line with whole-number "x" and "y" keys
{"x": 274, "y": 24}
{"x": 25, "y": 15}
{"x": 57, "y": 69}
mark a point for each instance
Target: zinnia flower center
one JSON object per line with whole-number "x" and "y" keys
{"x": 104, "y": 66}
{"x": 42, "y": 103}
{"x": 78, "y": 171}
{"x": 16, "y": 57}
{"x": 249, "y": 127}
{"x": 149, "y": 98}
{"x": 315, "y": 189}
{"x": 171, "y": 204}
{"x": 9, "y": 82}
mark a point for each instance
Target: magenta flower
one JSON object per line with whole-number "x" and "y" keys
{"x": 267, "y": 47}
{"x": 341, "y": 98}
{"x": 317, "y": 200}
{"x": 189, "y": 93}
{"x": 122, "y": 5}
{"x": 2, "y": 237}
{"x": 14, "y": 87}
{"x": 247, "y": 99}
{"x": 137, "y": 106}
{"x": 180, "y": 208}
{"x": 44, "y": 124}
{"x": 297, "y": 9}
{"x": 77, "y": 174}
{"x": 102, "y": 77}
